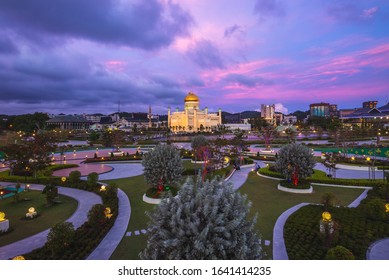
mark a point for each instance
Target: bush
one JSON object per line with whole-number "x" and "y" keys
{"x": 60, "y": 237}
{"x": 339, "y": 253}
{"x": 74, "y": 177}
{"x": 92, "y": 179}
{"x": 375, "y": 209}
{"x": 96, "y": 216}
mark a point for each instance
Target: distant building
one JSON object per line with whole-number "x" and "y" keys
{"x": 73, "y": 122}
{"x": 267, "y": 113}
{"x": 369, "y": 104}
{"x": 278, "y": 118}
{"x": 289, "y": 119}
{"x": 320, "y": 109}
{"x": 366, "y": 116}
{"x": 346, "y": 112}
{"x": 94, "y": 118}
{"x": 238, "y": 126}
{"x": 192, "y": 119}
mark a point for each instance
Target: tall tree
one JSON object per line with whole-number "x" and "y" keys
{"x": 162, "y": 166}
{"x": 205, "y": 221}
{"x": 295, "y": 162}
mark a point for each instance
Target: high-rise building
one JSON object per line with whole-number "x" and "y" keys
{"x": 320, "y": 109}
{"x": 267, "y": 112}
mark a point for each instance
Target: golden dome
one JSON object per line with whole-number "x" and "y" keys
{"x": 191, "y": 97}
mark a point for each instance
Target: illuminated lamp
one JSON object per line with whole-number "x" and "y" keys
{"x": 103, "y": 188}
{"x": 2, "y": 216}
{"x": 63, "y": 179}
{"x": 107, "y": 212}
{"x": 326, "y": 216}
{"x": 31, "y": 214}
{"x": 387, "y": 207}
{"x": 19, "y": 258}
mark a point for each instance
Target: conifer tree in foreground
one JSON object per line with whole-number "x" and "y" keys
{"x": 205, "y": 221}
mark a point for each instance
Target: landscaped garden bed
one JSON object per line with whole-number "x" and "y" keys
{"x": 355, "y": 230}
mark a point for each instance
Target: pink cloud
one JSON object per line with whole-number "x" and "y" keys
{"x": 368, "y": 13}
{"x": 115, "y": 65}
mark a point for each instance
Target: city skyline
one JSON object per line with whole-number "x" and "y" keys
{"x": 85, "y": 57}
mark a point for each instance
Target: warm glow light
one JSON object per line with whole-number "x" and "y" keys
{"x": 2, "y": 216}
{"x": 368, "y": 158}
{"x": 103, "y": 188}
{"x": 31, "y": 210}
{"x": 107, "y": 212}
{"x": 63, "y": 179}
{"x": 19, "y": 258}
{"x": 326, "y": 216}
{"x": 352, "y": 158}
{"x": 387, "y": 207}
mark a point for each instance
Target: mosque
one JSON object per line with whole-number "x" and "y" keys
{"x": 192, "y": 119}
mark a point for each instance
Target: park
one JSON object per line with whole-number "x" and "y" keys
{"x": 297, "y": 201}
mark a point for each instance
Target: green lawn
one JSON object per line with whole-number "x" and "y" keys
{"x": 48, "y": 216}
{"x": 130, "y": 247}
{"x": 270, "y": 203}
{"x": 267, "y": 201}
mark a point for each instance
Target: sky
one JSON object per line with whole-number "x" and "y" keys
{"x": 86, "y": 56}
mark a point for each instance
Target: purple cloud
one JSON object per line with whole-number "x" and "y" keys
{"x": 147, "y": 25}
{"x": 269, "y": 8}
{"x": 206, "y": 55}
{"x": 230, "y": 31}
{"x": 346, "y": 11}
{"x": 247, "y": 81}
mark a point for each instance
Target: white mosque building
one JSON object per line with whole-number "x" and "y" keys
{"x": 192, "y": 119}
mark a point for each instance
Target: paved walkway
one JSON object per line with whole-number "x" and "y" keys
{"x": 240, "y": 176}
{"x": 379, "y": 250}
{"x": 279, "y": 248}
{"x": 108, "y": 245}
{"x": 122, "y": 170}
{"x": 85, "y": 202}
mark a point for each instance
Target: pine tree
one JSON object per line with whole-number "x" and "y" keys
{"x": 205, "y": 221}
{"x": 162, "y": 166}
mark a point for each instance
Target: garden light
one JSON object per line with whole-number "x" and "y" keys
{"x": 19, "y": 258}
{"x": 2, "y": 216}
{"x": 326, "y": 216}
{"x": 387, "y": 207}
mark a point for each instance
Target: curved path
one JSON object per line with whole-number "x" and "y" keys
{"x": 85, "y": 202}
{"x": 379, "y": 250}
{"x": 279, "y": 248}
{"x": 122, "y": 170}
{"x": 108, "y": 245}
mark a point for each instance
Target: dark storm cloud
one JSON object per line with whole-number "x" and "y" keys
{"x": 142, "y": 24}
{"x": 269, "y": 8}
{"x": 206, "y": 55}
{"x": 247, "y": 81}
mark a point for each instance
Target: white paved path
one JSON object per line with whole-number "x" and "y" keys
{"x": 85, "y": 202}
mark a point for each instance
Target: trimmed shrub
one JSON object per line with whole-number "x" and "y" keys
{"x": 74, "y": 177}
{"x": 339, "y": 253}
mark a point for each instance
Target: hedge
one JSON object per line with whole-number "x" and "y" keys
{"x": 88, "y": 235}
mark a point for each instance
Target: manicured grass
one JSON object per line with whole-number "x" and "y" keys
{"x": 270, "y": 203}
{"x": 48, "y": 216}
{"x": 130, "y": 247}
{"x": 266, "y": 200}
